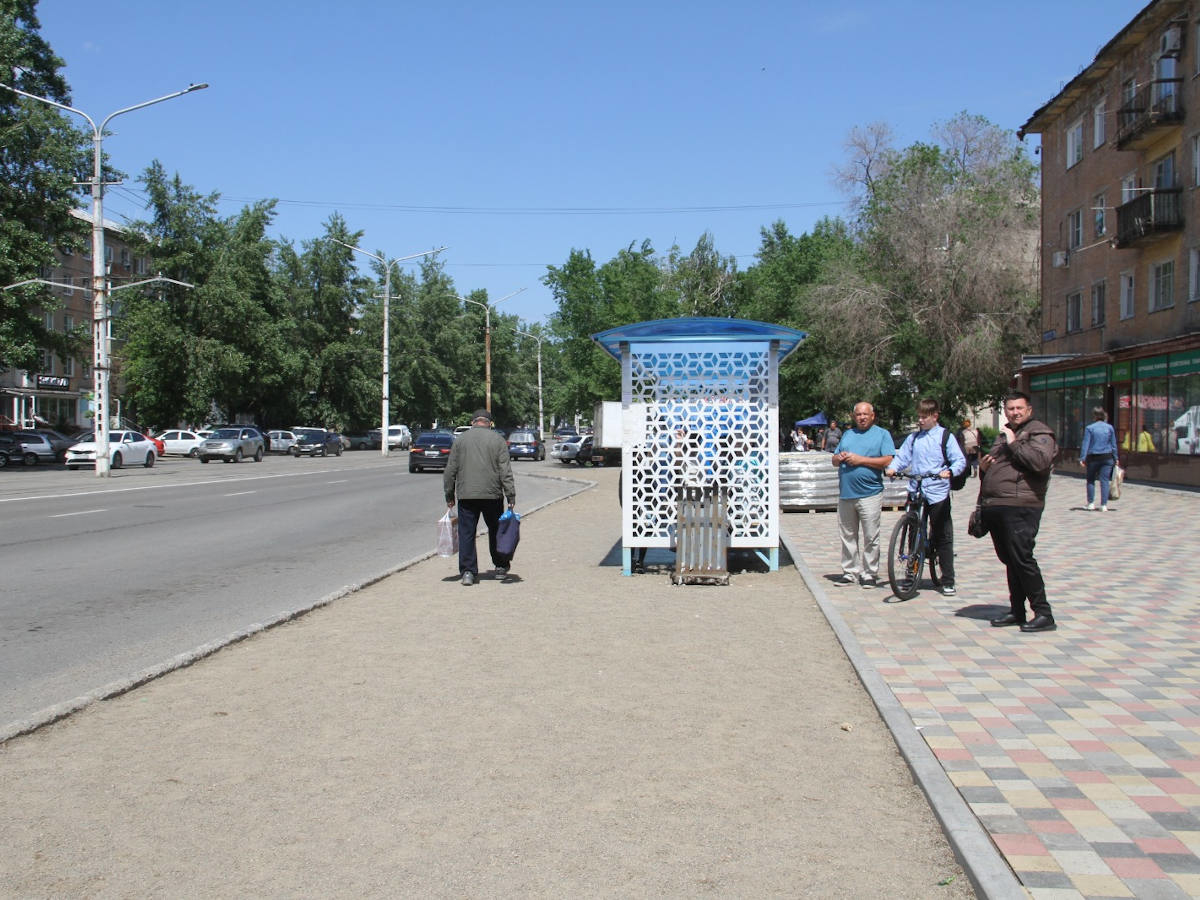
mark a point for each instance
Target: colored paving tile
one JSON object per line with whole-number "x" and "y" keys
{"x": 1078, "y": 750}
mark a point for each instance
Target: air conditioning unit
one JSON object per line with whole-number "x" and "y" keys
{"x": 1172, "y": 41}
{"x": 1061, "y": 259}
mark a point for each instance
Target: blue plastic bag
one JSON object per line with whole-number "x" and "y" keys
{"x": 508, "y": 534}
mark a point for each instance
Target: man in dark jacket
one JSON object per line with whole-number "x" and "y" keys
{"x": 1015, "y": 476}
{"x": 479, "y": 474}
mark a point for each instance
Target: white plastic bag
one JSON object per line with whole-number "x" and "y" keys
{"x": 447, "y": 540}
{"x": 1114, "y": 485}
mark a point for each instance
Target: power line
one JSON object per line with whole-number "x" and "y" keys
{"x": 541, "y": 210}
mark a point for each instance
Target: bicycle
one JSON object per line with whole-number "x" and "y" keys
{"x": 909, "y": 547}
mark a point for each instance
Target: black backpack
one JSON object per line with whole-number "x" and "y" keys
{"x": 957, "y": 482}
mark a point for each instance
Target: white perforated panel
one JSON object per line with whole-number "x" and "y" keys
{"x": 708, "y": 420}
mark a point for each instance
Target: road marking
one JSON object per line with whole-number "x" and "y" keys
{"x": 339, "y": 481}
{"x": 240, "y": 493}
{"x": 82, "y": 512}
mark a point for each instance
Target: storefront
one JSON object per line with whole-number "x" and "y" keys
{"x": 1153, "y": 402}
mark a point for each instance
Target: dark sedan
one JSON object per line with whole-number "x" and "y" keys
{"x": 430, "y": 450}
{"x": 316, "y": 442}
{"x": 525, "y": 445}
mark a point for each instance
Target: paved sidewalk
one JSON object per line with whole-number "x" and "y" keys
{"x": 1078, "y": 750}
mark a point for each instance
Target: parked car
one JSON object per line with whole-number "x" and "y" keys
{"x": 59, "y": 441}
{"x": 564, "y": 431}
{"x": 430, "y": 450}
{"x": 316, "y": 442}
{"x": 281, "y": 441}
{"x": 123, "y": 447}
{"x": 181, "y": 443}
{"x": 232, "y": 445}
{"x": 460, "y": 429}
{"x": 362, "y": 440}
{"x": 574, "y": 448}
{"x": 38, "y": 448}
{"x": 374, "y": 441}
{"x": 525, "y": 445}
{"x": 399, "y": 437}
{"x": 159, "y": 447}
{"x": 11, "y": 451}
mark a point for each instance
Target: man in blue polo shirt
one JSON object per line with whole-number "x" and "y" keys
{"x": 921, "y": 452}
{"x": 861, "y": 456}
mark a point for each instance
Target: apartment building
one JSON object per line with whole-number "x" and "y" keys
{"x": 1120, "y": 247}
{"x": 59, "y": 392}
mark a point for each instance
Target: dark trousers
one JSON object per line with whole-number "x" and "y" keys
{"x": 469, "y": 512}
{"x": 941, "y": 538}
{"x": 1014, "y": 530}
{"x": 1101, "y": 468}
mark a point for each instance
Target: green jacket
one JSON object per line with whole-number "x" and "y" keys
{"x": 479, "y": 468}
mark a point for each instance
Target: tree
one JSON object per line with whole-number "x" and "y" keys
{"x": 41, "y": 158}
{"x": 942, "y": 299}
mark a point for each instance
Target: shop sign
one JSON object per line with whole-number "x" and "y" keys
{"x": 1074, "y": 378}
{"x": 1152, "y": 367}
{"x": 1122, "y": 371}
{"x": 1054, "y": 380}
{"x": 1185, "y": 363}
{"x": 1096, "y": 375}
{"x": 1037, "y": 383}
{"x": 53, "y": 382}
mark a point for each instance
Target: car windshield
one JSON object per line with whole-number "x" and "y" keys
{"x": 308, "y": 434}
{"x": 522, "y": 437}
{"x": 226, "y": 434}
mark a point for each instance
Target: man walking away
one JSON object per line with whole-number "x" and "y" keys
{"x": 931, "y": 448}
{"x": 479, "y": 474}
{"x": 861, "y": 456}
{"x": 832, "y": 436}
{"x": 1015, "y": 476}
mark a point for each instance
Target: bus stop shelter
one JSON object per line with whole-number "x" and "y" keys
{"x": 700, "y": 410}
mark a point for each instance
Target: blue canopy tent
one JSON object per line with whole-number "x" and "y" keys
{"x": 817, "y": 419}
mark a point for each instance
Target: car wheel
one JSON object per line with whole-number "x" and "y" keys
{"x": 412, "y": 470}
{"x": 149, "y": 463}
{"x": 3, "y": 460}
{"x": 195, "y": 452}
{"x": 294, "y": 452}
{"x": 338, "y": 451}
{"x": 31, "y": 459}
{"x": 204, "y": 459}
{"x": 258, "y": 455}
{"x": 237, "y": 455}
{"x": 117, "y": 461}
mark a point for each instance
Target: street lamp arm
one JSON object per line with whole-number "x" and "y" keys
{"x": 56, "y": 104}
{"x": 156, "y": 278}
{"x": 170, "y": 96}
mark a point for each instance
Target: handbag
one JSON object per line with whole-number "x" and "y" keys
{"x": 447, "y": 536}
{"x": 976, "y": 526}
{"x": 1114, "y": 484}
{"x": 508, "y": 533}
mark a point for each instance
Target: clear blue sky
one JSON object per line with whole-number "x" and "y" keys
{"x": 515, "y": 132}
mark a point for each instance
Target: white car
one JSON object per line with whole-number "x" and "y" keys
{"x": 399, "y": 436}
{"x": 181, "y": 443}
{"x": 281, "y": 441}
{"x": 123, "y": 447}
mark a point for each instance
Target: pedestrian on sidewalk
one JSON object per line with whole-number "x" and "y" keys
{"x": 1015, "y": 475}
{"x": 1097, "y": 456}
{"x": 833, "y": 435}
{"x": 968, "y": 440}
{"x": 931, "y": 448}
{"x": 479, "y": 474}
{"x": 860, "y": 456}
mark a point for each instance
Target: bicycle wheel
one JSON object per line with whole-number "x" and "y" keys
{"x": 935, "y": 569}
{"x": 906, "y": 558}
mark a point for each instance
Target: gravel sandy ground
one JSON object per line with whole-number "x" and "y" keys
{"x": 568, "y": 733}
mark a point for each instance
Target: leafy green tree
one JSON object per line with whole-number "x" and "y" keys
{"x": 41, "y": 158}
{"x": 704, "y": 280}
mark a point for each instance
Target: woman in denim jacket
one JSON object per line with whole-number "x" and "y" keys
{"x": 1097, "y": 456}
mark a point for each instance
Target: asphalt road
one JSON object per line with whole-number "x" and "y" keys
{"x": 105, "y": 578}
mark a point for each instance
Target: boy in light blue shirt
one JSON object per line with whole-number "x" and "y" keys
{"x": 921, "y": 453}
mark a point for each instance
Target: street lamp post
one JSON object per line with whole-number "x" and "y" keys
{"x": 487, "y": 343}
{"x": 541, "y": 420}
{"x": 101, "y": 327}
{"x": 387, "y": 304}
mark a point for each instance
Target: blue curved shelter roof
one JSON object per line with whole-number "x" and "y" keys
{"x": 698, "y": 330}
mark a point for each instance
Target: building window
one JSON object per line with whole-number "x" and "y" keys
{"x": 1075, "y": 142}
{"x": 1164, "y": 172}
{"x": 1193, "y": 275}
{"x": 1098, "y": 211}
{"x": 1074, "y": 312}
{"x": 1075, "y": 229}
{"x": 1099, "y": 132}
{"x": 1196, "y": 160}
{"x": 1099, "y": 294}
{"x": 1129, "y": 187}
{"x": 1162, "y": 285}
{"x": 68, "y": 366}
{"x": 1126, "y": 295}
{"x": 68, "y": 324}
{"x": 45, "y": 362}
{"x": 139, "y": 265}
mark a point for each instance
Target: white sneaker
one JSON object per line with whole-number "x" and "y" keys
{"x": 846, "y": 579}
{"x": 1090, "y": 506}
{"x": 1103, "y": 508}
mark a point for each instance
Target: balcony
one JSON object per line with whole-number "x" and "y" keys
{"x": 1154, "y": 109}
{"x": 1148, "y": 217}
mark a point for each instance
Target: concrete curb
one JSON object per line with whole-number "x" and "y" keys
{"x": 985, "y": 866}
{"x": 51, "y": 714}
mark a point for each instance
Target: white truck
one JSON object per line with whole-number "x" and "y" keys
{"x": 606, "y": 439}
